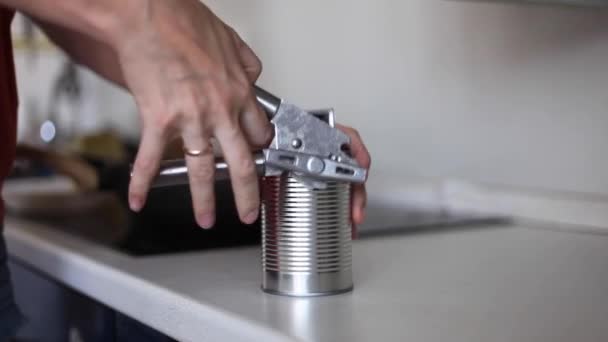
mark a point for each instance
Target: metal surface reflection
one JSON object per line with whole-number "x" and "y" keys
{"x": 307, "y": 319}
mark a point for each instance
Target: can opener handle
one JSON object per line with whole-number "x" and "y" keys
{"x": 306, "y": 143}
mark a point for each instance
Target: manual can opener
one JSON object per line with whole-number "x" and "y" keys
{"x": 306, "y": 143}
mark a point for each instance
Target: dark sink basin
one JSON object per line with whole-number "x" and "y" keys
{"x": 167, "y": 224}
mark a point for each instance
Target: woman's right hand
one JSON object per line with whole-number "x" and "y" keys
{"x": 192, "y": 76}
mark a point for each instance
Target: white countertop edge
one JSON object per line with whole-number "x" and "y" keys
{"x": 182, "y": 318}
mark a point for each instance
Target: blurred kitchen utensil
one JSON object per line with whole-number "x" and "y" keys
{"x": 68, "y": 198}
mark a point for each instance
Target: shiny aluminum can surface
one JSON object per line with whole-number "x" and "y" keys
{"x": 306, "y": 238}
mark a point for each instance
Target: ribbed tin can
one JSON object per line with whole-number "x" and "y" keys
{"x": 306, "y": 238}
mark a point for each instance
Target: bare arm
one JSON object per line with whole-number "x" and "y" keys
{"x": 101, "y": 20}
{"x": 191, "y": 77}
{"x": 86, "y": 51}
{"x": 101, "y": 58}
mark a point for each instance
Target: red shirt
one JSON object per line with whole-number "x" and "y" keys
{"x": 8, "y": 99}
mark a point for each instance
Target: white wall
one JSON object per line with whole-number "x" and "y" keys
{"x": 501, "y": 93}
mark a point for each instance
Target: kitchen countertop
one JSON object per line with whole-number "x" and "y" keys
{"x": 495, "y": 283}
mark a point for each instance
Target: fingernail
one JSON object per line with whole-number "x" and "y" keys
{"x": 251, "y": 217}
{"x": 206, "y": 221}
{"x": 135, "y": 203}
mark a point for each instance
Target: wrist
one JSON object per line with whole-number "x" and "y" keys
{"x": 107, "y": 21}
{"x": 96, "y": 19}
{"x": 117, "y": 26}
{"x": 113, "y": 20}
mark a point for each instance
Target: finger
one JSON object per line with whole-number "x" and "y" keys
{"x": 358, "y": 203}
{"x": 201, "y": 174}
{"x": 359, "y": 194}
{"x": 254, "y": 121}
{"x": 242, "y": 171}
{"x": 357, "y": 148}
{"x": 230, "y": 55}
{"x": 249, "y": 60}
{"x": 255, "y": 124}
{"x": 145, "y": 167}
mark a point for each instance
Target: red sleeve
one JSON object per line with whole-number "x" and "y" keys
{"x": 8, "y": 99}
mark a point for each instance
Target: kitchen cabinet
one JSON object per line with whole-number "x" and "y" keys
{"x": 56, "y": 313}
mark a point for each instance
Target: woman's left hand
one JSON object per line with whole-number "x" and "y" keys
{"x": 359, "y": 196}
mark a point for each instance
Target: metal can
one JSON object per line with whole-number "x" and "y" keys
{"x": 306, "y": 237}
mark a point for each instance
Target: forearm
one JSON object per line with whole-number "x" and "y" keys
{"x": 100, "y": 19}
{"x": 84, "y": 50}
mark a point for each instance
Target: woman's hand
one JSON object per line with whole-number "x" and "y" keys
{"x": 359, "y": 195}
{"x": 191, "y": 76}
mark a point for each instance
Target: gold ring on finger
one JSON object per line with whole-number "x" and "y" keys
{"x": 193, "y": 153}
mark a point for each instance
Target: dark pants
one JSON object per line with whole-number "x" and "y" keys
{"x": 53, "y": 312}
{"x": 10, "y": 317}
